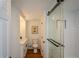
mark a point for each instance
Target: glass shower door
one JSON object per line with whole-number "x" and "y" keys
{"x": 56, "y": 33}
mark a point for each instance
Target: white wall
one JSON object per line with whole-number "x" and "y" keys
{"x": 15, "y": 32}
{"x": 71, "y": 33}
{"x": 29, "y": 34}
{"x": 8, "y": 29}
{"x": 43, "y": 34}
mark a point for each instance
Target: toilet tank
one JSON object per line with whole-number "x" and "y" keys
{"x": 35, "y": 41}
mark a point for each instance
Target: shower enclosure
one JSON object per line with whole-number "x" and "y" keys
{"x": 56, "y": 25}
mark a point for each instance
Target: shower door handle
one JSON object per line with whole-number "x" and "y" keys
{"x": 65, "y": 24}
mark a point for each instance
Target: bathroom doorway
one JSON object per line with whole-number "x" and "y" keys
{"x": 33, "y": 32}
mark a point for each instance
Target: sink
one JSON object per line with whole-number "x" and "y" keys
{"x": 22, "y": 42}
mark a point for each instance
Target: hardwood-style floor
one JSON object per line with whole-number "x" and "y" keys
{"x": 30, "y": 54}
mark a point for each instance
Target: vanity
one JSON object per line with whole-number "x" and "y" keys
{"x": 23, "y": 44}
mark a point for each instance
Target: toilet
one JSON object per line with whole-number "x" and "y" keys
{"x": 35, "y": 45}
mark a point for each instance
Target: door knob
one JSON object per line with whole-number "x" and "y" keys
{"x": 20, "y": 37}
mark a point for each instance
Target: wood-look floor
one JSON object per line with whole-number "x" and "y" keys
{"x": 30, "y": 54}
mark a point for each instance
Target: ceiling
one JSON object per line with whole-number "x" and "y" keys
{"x": 33, "y": 9}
